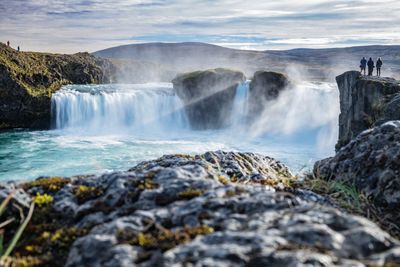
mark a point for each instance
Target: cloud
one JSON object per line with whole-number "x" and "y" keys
{"x": 75, "y": 25}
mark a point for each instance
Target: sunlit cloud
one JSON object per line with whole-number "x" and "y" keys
{"x": 90, "y": 25}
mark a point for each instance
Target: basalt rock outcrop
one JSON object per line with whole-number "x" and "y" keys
{"x": 215, "y": 209}
{"x": 265, "y": 86}
{"x": 370, "y": 162}
{"x": 28, "y": 79}
{"x": 208, "y": 96}
{"x": 365, "y": 101}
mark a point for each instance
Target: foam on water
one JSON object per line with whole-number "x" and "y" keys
{"x": 100, "y": 128}
{"x": 118, "y": 108}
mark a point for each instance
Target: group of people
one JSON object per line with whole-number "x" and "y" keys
{"x": 371, "y": 65}
{"x": 8, "y": 44}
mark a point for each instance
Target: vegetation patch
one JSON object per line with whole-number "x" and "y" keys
{"x": 84, "y": 193}
{"x": 43, "y": 200}
{"x": 51, "y": 184}
{"x": 190, "y": 193}
{"x": 160, "y": 238}
{"x": 350, "y": 199}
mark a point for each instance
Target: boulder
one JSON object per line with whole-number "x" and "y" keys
{"x": 265, "y": 86}
{"x": 215, "y": 209}
{"x": 370, "y": 162}
{"x": 28, "y": 79}
{"x": 208, "y": 96}
{"x": 364, "y": 102}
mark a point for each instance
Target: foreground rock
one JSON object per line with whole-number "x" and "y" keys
{"x": 28, "y": 79}
{"x": 370, "y": 162}
{"x": 264, "y": 87}
{"x": 365, "y": 101}
{"x": 215, "y": 209}
{"x": 208, "y": 96}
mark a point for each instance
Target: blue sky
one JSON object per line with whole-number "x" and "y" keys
{"x": 88, "y": 25}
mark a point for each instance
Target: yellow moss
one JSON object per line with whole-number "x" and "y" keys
{"x": 30, "y": 248}
{"x": 43, "y": 200}
{"x": 234, "y": 179}
{"x": 20, "y": 261}
{"x": 270, "y": 182}
{"x": 56, "y": 236}
{"x": 45, "y": 235}
{"x": 147, "y": 184}
{"x": 51, "y": 184}
{"x": 223, "y": 179}
{"x": 165, "y": 239}
{"x": 84, "y": 193}
{"x": 190, "y": 193}
{"x": 145, "y": 240}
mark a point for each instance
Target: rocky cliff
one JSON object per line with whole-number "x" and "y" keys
{"x": 208, "y": 96}
{"x": 265, "y": 86}
{"x": 215, "y": 209}
{"x": 367, "y": 160}
{"x": 364, "y": 102}
{"x": 28, "y": 79}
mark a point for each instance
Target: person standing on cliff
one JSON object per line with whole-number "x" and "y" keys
{"x": 379, "y": 64}
{"x": 8, "y": 43}
{"x": 363, "y": 65}
{"x": 371, "y": 67}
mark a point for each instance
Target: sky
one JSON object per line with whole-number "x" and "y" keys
{"x": 89, "y": 25}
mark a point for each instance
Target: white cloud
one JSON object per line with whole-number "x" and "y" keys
{"x": 75, "y": 25}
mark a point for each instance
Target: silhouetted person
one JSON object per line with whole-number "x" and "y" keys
{"x": 370, "y": 67}
{"x": 8, "y": 43}
{"x": 363, "y": 65}
{"x": 379, "y": 64}
{"x": 18, "y": 48}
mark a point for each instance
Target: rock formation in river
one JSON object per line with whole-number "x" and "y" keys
{"x": 215, "y": 209}
{"x": 28, "y": 79}
{"x": 265, "y": 86}
{"x": 365, "y": 101}
{"x": 208, "y": 96}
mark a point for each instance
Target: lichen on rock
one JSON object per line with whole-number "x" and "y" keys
{"x": 177, "y": 210}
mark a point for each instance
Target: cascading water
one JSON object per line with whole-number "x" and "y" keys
{"x": 239, "y": 110}
{"x": 115, "y": 108}
{"x": 100, "y": 128}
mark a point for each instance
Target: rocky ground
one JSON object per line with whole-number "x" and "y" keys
{"x": 215, "y": 209}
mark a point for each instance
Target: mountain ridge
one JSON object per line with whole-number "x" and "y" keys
{"x": 320, "y": 64}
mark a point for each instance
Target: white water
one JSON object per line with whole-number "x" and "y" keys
{"x": 100, "y": 128}
{"x": 118, "y": 108}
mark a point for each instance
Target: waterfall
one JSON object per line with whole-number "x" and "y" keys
{"x": 115, "y": 107}
{"x": 239, "y": 110}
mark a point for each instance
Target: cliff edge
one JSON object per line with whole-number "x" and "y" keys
{"x": 364, "y": 102}
{"x": 28, "y": 79}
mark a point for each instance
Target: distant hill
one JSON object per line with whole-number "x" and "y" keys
{"x": 162, "y": 61}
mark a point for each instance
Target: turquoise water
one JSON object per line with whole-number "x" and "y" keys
{"x": 100, "y": 131}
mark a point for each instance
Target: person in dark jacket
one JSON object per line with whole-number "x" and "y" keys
{"x": 363, "y": 65}
{"x": 379, "y": 64}
{"x": 371, "y": 67}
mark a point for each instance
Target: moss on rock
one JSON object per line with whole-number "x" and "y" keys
{"x": 28, "y": 79}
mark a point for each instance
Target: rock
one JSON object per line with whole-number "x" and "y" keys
{"x": 208, "y": 96}
{"x": 28, "y": 79}
{"x": 265, "y": 86}
{"x": 370, "y": 162}
{"x": 215, "y": 209}
{"x": 363, "y": 102}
